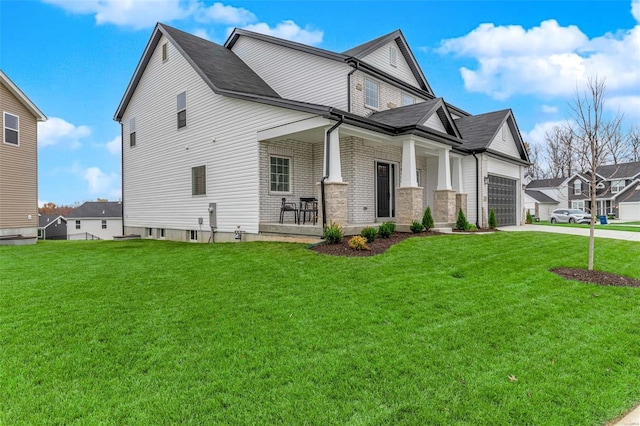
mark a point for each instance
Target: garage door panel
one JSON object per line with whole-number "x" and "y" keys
{"x": 503, "y": 199}
{"x": 629, "y": 211}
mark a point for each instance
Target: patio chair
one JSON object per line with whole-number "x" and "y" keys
{"x": 308, "y": 206}
{"x": 289, "y": 207}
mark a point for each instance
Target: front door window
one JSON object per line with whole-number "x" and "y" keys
{"x": 385, "y": 194}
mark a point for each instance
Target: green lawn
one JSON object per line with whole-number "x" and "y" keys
{"x": 608, "y": 227}
{"x": 152, "y": 332}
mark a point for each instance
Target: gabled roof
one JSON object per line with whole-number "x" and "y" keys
{"x": 97, "y": 210}
{"x": 478, "y": 131}
{"x": 620, "y": 171}
{"x": 540, "y": 197}
{"x": 630, "y": 194}
{"x": 417, "y": 114}
{"x": 359, "y": 52}
{"x": 547, "y": 183}
{"x": 19, "y": 94}
{"x": 44, "y": 220}
{"x": 218, "y": 66}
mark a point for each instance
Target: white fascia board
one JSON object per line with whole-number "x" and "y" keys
{"x": 294, "y": 127}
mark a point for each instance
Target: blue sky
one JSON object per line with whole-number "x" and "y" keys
{"x": 74, "y": 59}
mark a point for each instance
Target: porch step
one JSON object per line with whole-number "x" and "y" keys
{"x": 443, "y": 230}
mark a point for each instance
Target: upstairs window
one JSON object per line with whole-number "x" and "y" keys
{"x": 199, "y": 180}
{"x": 407, "y": 100}
{"x": 280, "y": 174}
{"x": 371, "y": 93}
{"x": 165, "y": 52}
{"x": 393, "y": 56}
{"x": 132, "y": 132}
{"x": 11, "y": 129}
{"x": 77, "y": 224}
{"x": 182, "y": 109}
{"x": 577, "y": 187}
{"x": 617, "y": 186}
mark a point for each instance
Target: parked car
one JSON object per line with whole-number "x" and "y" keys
{"x": 569, "y": 216}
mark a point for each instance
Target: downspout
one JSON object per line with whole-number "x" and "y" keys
{"x": 122, "y": 172}
{"x": 477, "y": 191}
{"x": 349, "y": 85}
{"x": 327, "y": 153}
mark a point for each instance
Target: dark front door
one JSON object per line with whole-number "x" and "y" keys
{"x": 503, "y": 199}
{"x": 385, "y": 182}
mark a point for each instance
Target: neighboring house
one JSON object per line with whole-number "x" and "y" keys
{"x": 540, "y": 204}
{"x": 95, "y": 220}
{"x": 615, "y": 189}
{"x": 18, "y": 161}
{"x": 52, "y": 227}
{"x": 215, "y": 136}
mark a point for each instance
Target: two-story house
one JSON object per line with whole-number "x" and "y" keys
{"x": 18, "y": 163}
{"x": 215, "y": 137}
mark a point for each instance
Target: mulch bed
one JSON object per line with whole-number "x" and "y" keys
{"x": 596, "y": 277}
{"x": 379, "y": 245}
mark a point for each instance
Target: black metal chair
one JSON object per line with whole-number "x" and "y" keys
{"x": 308, "y": 206}
{"x": 289, "y": 207}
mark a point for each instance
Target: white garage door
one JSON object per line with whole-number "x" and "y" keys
{"x": 629, "y": 211}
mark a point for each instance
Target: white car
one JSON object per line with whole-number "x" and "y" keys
{"x": 570, "y": 216}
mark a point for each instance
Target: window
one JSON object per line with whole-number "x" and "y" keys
{"x": 577, "y": 205}
{"x": 577, "y": 187}
{"x": 39, "y": 232}
{"x": 371, "y": 93}
{"x": 132, "y": 132}
{"x": 407, "y": 100}
{"x": 393, "y": 56}
{"x": 11, "y": 129}
{"x": 418, "y": 177}
{"x": 182, "y": 109}
{"x": 161, "y": 232}
{"x": 104, "y": 224}
{"x": 165, "y": 52}
{"x": 280, "y": 174}
{"x": 617, "y": 186}
{"x": 77, "y": 224}
{"x": 193, "y": 235}
{"x": 198, "y": 180}
{"x": 149, "y": 232}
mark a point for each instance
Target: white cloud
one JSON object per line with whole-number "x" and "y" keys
{"x": 549, "y": 109}
{"x": 56, "y": 131}
{"x": 202, "y": 33}
{"x": 635, "y": 9}
{"x": 547, "y": 60}
{"x": 101, "y": 183}
{"x": 628, "y": 105}
{"x": 222, "y": 14}
{"x": 536, "y": 135}
{"x": 114, "y": 146}
{"x": 289, "y": 30}
{"x": 41, "y": 203}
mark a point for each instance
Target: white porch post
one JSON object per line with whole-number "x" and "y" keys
{"x": 335, "y": 169}
{"x": 409, "y": 174}
{"x": 444, "y": 172}
{"x": 456, "y": 174}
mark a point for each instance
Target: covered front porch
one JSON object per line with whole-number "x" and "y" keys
{"x": 368, "y": 177}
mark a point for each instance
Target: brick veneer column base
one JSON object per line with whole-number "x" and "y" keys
{"x": 335, "y": 194}
{"x": 461, "y": 203}
{"x": 409, "y": 205}
{"x": 444, "y": 206}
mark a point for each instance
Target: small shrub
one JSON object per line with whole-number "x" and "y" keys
{"x": 427, "y": 219}
{"x": 529, "y": 219}
{"x": 333, "y": 233}
{"x": 416, "y": 227}
{"x": 386, "y": 229}
{"x": 471, "y": 227}
{"x": 369, "y": 233}
{"x": 358, "y": 242}
{"x": 493, "y": 220}
{"x": 461, "y": 223}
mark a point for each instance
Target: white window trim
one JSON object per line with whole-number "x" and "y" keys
{"x": 193, "y": 232}
{"x": 377, "y": 83}
{"x": 618, "y": 189}
{"x": 290, "y": 191}
{"x": 577, "y": 204}
{"x": 403, "y": 96}
{"x": 165, "y": 52}
{"x": 577, "y": 191}
{"x": 178, "y": 111}
{"x": 4, "y": 127}
{"x": 132, "y": 131}
{"x": 78, "y": 224}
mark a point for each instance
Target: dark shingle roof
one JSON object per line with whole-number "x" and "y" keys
{"x": 540, "y": 196}
{"x": 220, "y": 65}
{"x": 546, "y": 183}
{"x": 631, "y": 195}
{"x": 47, "y": 219}
{"x": 368, "y": 47}
{"x": 409, "y": 115}
{"x": 620, "y": 171}
{"x": 478, "y": 131}
{"x": 97, "y": 209}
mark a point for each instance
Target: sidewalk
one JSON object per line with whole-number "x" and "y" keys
{"x": 599, "y": 233}
{"x": 631, "y": 419}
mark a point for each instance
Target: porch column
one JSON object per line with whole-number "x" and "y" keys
{"x": 335, "y": 169}
{"x": 409, "y": 196}
{"x": 444, "y": 197}
{"x": 409, "y": 172}
{"x": 456, "y": 182}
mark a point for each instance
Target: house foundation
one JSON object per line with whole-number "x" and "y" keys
{"x": 444, "y": 206}
{"x": 409, "y": 205}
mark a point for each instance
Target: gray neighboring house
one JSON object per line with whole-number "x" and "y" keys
{"x": 540, "y": 204}
{"x": 52, "y": 227}
{"x": 93, "y": 220}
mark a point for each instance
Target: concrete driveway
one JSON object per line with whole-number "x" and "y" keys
{"x": 600, "y": 233}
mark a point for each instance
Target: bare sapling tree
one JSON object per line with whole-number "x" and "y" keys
{"x": 561, "y": 152}
{"x": 534, "y": 171}
{"x": 633, "y": 141}
{"x": 617, "y": 143}
{"x": 592, "y": 131}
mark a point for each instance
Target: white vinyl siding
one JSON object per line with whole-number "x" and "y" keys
{"x": 157, "y": 175}
{"x": 469, "y": 185}
{"x": 505, "y": 145}
{"x": 435, "y": 123}
{"x": 380, "y": 59}
{"x": 103, "y": 228}
{"x": 11, "y": 129}
{"x": 295, "y": 74}
{"x": 371, "y": 93}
